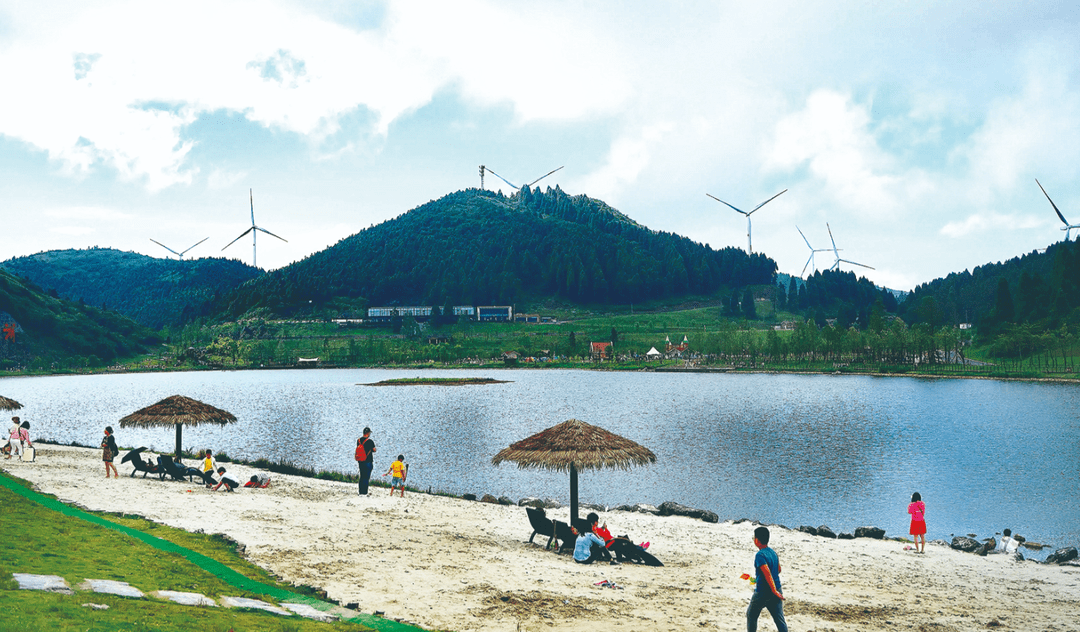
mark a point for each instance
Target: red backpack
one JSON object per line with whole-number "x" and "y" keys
{"x": 361, "y": 453}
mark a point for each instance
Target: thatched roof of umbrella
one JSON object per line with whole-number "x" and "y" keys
{"x": 574, "y": 445}
{"x": 178, "y": 411}
{"x": 574, "y": 442}
{"x": 9, "y": 404}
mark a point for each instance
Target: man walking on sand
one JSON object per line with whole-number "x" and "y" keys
{"x": 767, "y": 591}
{"x": 365, "y": 459}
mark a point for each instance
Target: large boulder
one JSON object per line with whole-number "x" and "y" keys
{"x": 1061, "y": 556}
{"x": 965, "y": 544}
{"x": 503, "y": 500}
{"x": 671, "y": 508}
{"x": 551, "y": 503}
{"x": 529, "y": 501}
{"x": 488, "y": 498}
{"x": 468, "y": 496}
{"x": 870, "y": 532}
{"x": 825, "y": 532}
{"x": 808, "y": 530}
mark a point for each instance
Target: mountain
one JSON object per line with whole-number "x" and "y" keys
{"x": 1039, "y": 288}
{"x": 482, "y": 248}
{"x": 38, "y": 330}
{"x": 153, "y": 292}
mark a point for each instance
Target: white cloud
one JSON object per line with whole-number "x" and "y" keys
{"x": 986, "y": 222}
{"x": 626, "y": 159}
{"x": 108, "y": 86}
{"x": 88, "y": 213}
{"x": 74, "y": 231}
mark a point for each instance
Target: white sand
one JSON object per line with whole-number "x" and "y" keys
{"x": 457, "y": 565}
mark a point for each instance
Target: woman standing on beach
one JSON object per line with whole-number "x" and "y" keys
{"x": 109, "y": 451}
{"x": 918, "y": 521}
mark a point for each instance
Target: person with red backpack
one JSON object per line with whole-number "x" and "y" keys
{"x": 365, "y": 459}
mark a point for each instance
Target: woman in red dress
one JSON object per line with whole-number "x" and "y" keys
{"x": 918, "y": 522}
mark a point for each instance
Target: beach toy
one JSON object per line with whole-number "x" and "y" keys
{"x": 753, "y": 580}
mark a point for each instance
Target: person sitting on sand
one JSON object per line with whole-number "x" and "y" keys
{"x": 258, "y": 481}
{"x": 400, "y": 470}
{"x": 590, "y": 548}
{"x": 229, "y": 482}
{"x": 622, "y": 546}
{"x": 1008, "y": 544}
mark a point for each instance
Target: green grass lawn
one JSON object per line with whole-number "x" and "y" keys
{"x": 42, "y": 541}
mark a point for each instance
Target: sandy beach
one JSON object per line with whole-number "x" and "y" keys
{"x": 452, "y": 564}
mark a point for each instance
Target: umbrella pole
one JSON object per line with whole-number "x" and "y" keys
{"x": 179, "y": 428}
{"x": 573, "y": 494}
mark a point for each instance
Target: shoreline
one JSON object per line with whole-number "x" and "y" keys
{"x": 460, "y": 565}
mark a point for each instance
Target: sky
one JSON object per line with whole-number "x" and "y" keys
{"x": 914, "y": 130}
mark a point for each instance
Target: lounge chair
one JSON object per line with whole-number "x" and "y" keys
{"x": 540, "y": 524}
{"x": 626, "y": 551}
{"x": 565, "y": 537}
{"x": 177, "y": 470}
{"x": 135, "y": 458}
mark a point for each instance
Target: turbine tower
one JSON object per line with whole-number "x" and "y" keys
{"x": 812, "y": 251}
{"x": 254, "y": 231}
{"x": 749, "y": 245}
{"x": 181, "y": 253}
{"x": 1068, "y": 227}
{"x": 836, "y": 252}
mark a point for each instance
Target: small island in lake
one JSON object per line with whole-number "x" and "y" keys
{"x": 437, "y": 381}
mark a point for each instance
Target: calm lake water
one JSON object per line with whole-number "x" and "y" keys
{"x": 791, "y": 449}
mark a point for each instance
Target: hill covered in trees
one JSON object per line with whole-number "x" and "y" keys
{"x": 39, "y": 330}
{"x": 153, "y": 292}
{"x": 480, "y": 247}
{"x": 1039, "y": 289}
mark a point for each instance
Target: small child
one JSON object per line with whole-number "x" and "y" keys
{"x": 400, "y": 470}
{"x": 208, "y": 468}
{"x": 229, "y": 482}
{"x": 258, "y": 481}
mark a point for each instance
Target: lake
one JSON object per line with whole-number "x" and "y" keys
{"x": 844, "y": 451}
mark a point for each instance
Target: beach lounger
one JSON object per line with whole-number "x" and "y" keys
{"x": 135, "y": 458}
{"x": 178, "y": 471}
{"x": 626, "y": 551}
{"x": 540, "y": 524}
{"x": 564, "y": 536}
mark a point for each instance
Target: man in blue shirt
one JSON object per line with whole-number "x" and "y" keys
{"x": 767, "y": 591}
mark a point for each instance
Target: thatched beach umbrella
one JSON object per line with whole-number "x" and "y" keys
{"x": 9, "y": 404}
{"x": 574, "y": 445}
{"x": 178, "y": 411}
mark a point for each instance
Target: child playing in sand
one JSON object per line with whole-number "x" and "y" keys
{"x": 400, "y": 470}
{"x": 229, "y": 482}
{"x": 208, "y": 468}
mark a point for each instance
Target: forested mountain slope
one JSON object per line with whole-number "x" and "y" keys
{"x": 479, "y": 247}
{"x": 153, "y": 292}
{"x": 1039, "y": 288}
{"x": 39, "y": 329}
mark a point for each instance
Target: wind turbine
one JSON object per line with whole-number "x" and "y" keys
{"x": 812, "y": 251}
{"x": 253, "y": 230}
{"x": 836, "y": 266}
{"x": 516, "y": 187}
{"x": 1068, "y": 227}
{"x": 749, "y": 246}
{"x": 181, "y": 253}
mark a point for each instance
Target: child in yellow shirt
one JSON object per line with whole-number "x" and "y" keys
{"x": 400, "y": 470}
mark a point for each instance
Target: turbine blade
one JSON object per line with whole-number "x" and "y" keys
{"x": 238, "y": 238}
{"x": 831, "y": 238}
{"x": 854, "y": 263}
{"x": 804, "y": 239}
{"x": 251, "y": 198}
{"x": 501, "y": 178}
{"x": 270, "y": 233}
{"x": 723, "y": 202}
{"x": 768, "y": 200}
{"x": 204, "y": 239}
{"x": 807, "y": 264}
{"x": 167, "y": 248}
{"x": 544, "y": 176}
{"x": 1060, "y": 216}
